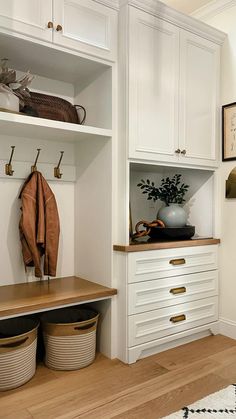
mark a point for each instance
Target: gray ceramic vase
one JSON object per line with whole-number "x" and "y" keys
{"x": 172, "y": 215}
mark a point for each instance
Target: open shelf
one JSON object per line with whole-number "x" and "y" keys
{"x": 55, "y": 62}
{"x": 31, "y": 127}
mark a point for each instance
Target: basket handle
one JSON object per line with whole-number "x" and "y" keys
{"x": 14, "y": 344}
{"x": 84, "y": 110}
{"x": 86, "y": 326}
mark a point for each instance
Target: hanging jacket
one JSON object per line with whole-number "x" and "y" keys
{"x": 39, "y": 225}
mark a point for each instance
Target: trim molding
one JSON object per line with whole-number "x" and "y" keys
{"x": 113, "y": 4}
{"x": 212, "y": 9}
{"x": 161, "y": 10}
{"x": 227, "y": 328}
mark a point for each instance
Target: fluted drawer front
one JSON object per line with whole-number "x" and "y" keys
{"x": 151, "y": 295}
{"x": 155, "y": 264}
{"x": 155, "y": 324}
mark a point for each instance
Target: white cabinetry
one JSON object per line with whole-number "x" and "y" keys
{"x": 172, "y": 297}
{"x": 173, "y": 92}
{"x": 27, "y": 17}
{"x": 87, "y": 26}
{"x": 82, "y": 25}
{"x": 87, "y": 165}
{"x": 199, "y": 87}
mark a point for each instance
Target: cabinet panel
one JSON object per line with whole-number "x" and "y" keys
{"x": 199, "y": 63}
{"x": 86, "y": 26}
{"x": 154, "y": 264}
{"x": 151, "y": 295}
{"x": 153, "y": 84}
{"x": 156, "y": 324}
{"x": 29, "y": 17}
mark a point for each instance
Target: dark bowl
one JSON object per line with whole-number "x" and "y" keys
{"x": 172, "y": 233}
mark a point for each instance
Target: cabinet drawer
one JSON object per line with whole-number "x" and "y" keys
{"x": 156, "y": 324}
{"x": 155, "y": 264}
{"x": 87, "y": 26}
{"x": 151, "y": 295}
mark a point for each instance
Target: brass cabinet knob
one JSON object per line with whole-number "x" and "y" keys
{"x": 183, "y": 152}
{"x": 50, "y": 25}
{"x": 178, "y": 151}
{"x": 59, "y": 28}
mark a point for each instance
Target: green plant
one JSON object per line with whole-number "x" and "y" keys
{"x": 11, "y": 84}
{"x": 170, "y": 190}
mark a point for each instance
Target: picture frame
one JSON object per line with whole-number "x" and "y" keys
{"x": 229, "y": 132}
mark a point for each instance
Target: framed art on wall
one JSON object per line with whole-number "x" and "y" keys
{"x": 229, "y": 132}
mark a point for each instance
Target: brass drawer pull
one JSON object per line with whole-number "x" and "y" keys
{"x": 179, "y": 290}
{"x": 177, "y": 261}
{"x": 177, "y": 319}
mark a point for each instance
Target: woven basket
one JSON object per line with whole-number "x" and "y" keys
{"x": 69, "y": 338}
{"x": 18, "y": 342}
{"x": 53, "y": 107}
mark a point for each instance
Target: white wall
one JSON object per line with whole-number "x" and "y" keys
{"x": 11, "y": 263}
{"x": 225, "y": 21}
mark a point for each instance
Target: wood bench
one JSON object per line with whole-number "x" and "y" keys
{"x": 33, "y": 297}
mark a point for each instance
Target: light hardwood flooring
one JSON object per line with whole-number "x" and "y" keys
{"x": 151, "y": 388}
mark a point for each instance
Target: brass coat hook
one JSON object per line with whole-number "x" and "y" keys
{"x": 8, "y": 166}
{"x": 34, "y": 167}
{"x": 57, "y": 172}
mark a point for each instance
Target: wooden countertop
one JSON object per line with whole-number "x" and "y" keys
{"x": 139, "y": 246}
{"x": 40, "y": 295}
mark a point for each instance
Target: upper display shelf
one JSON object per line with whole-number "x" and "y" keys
{"x": 31, "y": 127}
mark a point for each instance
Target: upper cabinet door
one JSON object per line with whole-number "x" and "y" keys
{"x": 199, "y": 88}
{"x": 153, "y": 88}
{"x": 28, "y": 17}
{"x": 86, "y": 26}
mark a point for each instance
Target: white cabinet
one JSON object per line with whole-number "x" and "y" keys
{"x": 27, "y": 17}
{"x": 171, "y": 298}
{"x": 153, "y": 87}
{"x": 86, "y": 26}
{"x": 82, "y": 25}
{"x": 199, "y": 80}
{"x": 173, "y": 93}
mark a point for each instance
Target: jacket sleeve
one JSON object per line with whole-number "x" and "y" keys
{"x": 28, "y": 234}
{"x": 52, "y": 232}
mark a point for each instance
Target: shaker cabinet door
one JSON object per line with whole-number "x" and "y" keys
{"x": 153, "y": 88}
{"x": 28, "y": 17}
{"x": 86, "y": 26}
{"x": 199, "y": 78}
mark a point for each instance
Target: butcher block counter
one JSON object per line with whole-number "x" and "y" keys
{"x": 142, "y": 245}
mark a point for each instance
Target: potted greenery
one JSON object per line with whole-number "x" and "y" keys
{"x": 171, "y": 192}
{"x": 13, "y": 90}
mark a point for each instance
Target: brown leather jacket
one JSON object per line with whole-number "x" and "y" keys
{"x": 39, "y": 225}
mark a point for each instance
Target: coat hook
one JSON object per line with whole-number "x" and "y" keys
{"x": 57, "y": 172}
{"x": 34, "y": 167}
{"x": 8, "y": 167}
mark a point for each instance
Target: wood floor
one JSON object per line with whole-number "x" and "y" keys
{"x": 151, "y": 388}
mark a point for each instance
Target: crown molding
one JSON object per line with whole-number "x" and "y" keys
{"x": 212, "y": 9}
{"x": 113, "y": 4}
{"x": 189, "y": 23}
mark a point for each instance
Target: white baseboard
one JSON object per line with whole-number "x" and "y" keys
{"x": 227, "y": 328}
